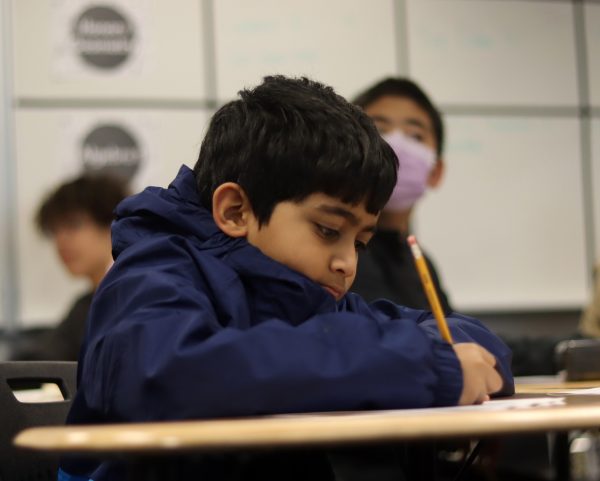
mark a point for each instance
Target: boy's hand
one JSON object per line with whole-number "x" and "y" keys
{"x": 480, "y": 378}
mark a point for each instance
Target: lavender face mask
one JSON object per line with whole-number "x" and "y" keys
{"x": 415, "y": 162}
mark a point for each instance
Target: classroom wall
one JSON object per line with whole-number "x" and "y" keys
{"x": 514, "y": 226}
{"x": 516, "y": 90}
{"x": 5, "y": 292}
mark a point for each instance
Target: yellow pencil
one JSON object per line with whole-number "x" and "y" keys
{"x": 430, "y": 292}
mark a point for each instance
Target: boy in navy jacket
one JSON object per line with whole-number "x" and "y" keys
{"x": 228, "y": 295}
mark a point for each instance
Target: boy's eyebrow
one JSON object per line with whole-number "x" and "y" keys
{"x": 409, "y": 121}
{"x": 417, "y": 123}
{"x": 346, "y": 214}
{"x": 381, "y": 118}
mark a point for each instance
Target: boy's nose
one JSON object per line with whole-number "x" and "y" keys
{"x": 345, "y": 261}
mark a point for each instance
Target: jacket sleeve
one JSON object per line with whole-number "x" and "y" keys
{"x": 169, "y": 357}
{"x": 463, "y": 329}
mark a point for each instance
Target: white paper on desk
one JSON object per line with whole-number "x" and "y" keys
{"x": 492, "y": 405}
{"x": 505, "y": 404}
{"x": 508, "y": 404}
{"x": 592, "y": 391}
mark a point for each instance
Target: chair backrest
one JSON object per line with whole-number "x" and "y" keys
{"x": 18, "y": 464}
{"x": 579, "y": 358}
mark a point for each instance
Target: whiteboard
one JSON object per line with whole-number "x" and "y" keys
{"x": 4, "y": 207}
{"x": 506, "y": 226}
{"x": 494, "y": 52}
{"x": 592, "y": 29}
{"x": 348, "y": 44}
{"x": 165, "y": 60}
{"x": 168, "y": 139}
{"x": 596, "y": 184}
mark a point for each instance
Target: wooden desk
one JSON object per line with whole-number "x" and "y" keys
{"x": 315, "y": 429}
{"x": 139, "y": 443}
{"x": 551, "y": 387}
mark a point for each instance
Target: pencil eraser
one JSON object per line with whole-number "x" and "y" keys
{"x": 411, "y": 240}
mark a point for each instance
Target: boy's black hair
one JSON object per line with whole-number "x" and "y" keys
{"x": 403, "y": 87}
{"x": 96, "y": 195}
{"x": 288, "y": 138}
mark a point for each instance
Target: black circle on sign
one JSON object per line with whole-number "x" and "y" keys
{"x": 103, "y": 37}
{"x": 111, "y": 149}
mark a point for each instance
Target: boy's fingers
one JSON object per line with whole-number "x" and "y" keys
{"x": 474, "y": 350}
{"x": 494, "y": 382}
{"x": 482, "y": 398}
{"x": 488, "y": 357}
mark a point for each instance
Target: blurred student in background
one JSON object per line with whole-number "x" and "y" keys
{"x": 413, "y": 126}
{"x": 76, "y": 217}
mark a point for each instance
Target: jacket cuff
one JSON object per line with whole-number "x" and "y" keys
{"x": 450, "y": 376}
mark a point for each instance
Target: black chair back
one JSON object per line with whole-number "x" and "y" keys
{"x": 17, "y": 464}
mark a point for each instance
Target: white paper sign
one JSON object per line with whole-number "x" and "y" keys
{"x": 118, "y": 144}
{"x": 92, "y": 39}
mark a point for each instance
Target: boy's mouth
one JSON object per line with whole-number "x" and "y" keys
{"x": 335, "y": 292}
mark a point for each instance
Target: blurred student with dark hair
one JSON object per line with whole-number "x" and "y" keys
{"x": 76, "y": 216}
{"x": 413, "y": 126}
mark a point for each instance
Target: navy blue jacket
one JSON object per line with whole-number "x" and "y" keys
{"x": 190, "y": 323}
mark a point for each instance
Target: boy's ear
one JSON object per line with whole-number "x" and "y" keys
{"x": 437, "y": 174}
{"x": 231, "y": 209}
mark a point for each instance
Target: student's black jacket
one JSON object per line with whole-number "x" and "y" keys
{"x": 386, "y": 270}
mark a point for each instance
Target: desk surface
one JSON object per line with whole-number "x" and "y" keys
{"x": 544, "y": 384}
{"x": 319, "y": 429}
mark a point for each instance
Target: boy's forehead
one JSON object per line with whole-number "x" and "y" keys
{"x": 399, "y": 108}
{"x": 70, "y": 216}
{"x": 397, "y": 112}
{"x": 355, "y": 212}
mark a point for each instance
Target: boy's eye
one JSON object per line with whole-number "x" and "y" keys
{"x": 418, "y": 137}
{"x": 382, "y": 128}
{"x": 327, "y": 233}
